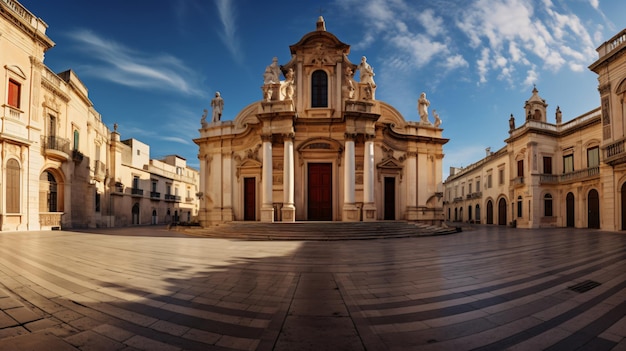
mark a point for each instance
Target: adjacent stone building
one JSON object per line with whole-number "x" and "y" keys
{"x": 554, "y": 173}
{"x": 60, "y": 166}
{"x": 319, "y": 146}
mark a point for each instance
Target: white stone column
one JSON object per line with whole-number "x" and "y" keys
{"x": 411, "y": 185}
{"x": 202, "y": 214}
{"x": 227, "y": 187}
{"x": 369, "y": 207}
{"x": 289, "y": 209}
{"x": 348, "y": 172}
{"x": 350, "y": 212}
{"x": 267, "y": 207}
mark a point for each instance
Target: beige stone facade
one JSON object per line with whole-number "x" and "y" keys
{"x": 319, "y": 146}
{"x": 61, "y": 167}
{"x": 554, "y": 174}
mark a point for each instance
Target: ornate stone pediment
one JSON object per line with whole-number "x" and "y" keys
{"x": 390, "y": 166}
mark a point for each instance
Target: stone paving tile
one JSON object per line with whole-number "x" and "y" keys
{"x": 90, "y": 341}
{"x": 22, "y": 315}
{"x": 42, "y": 324}
{"x": 113, "y": 332}
{"x": 143, "y": 343}
{"x": 35, "y": 341}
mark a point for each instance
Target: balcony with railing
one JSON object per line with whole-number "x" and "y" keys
{"x": 170, "y": 197}
{"x": 570, "y": 177}
{"x": 615, "y": 153}
{"x": 56, "y": 148}
{"x": 136, "y": 192}
{"x": 519, "y": 181}
{"x": 582, "y": 174}
{"x": 155, "y": 195}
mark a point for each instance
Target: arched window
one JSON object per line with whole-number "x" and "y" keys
{"x": 47, "y": 192}
{"x": 13, "y": 186}
{"x": 519, "y": 206}
{"x": 319, "y": 89}
{"x": 547, "y": 205}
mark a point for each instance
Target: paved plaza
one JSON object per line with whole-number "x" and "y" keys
{"x": 147, "y": 288}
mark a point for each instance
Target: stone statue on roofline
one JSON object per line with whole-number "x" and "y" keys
{"x": 437, "y": 119}
{"x": 559, "y": 115}
{"x": 422, "y": 108}
{"x": 217, "y": 104}
{"x": 348, "y": 84}
{"x": 366, "y": 72}
{"x": 203, "y": 121}
{"x": 288, "y": 87}
{"x": 272, "y": 73}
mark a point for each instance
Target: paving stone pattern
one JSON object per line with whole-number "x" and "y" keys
{"x": 147, "y": 288}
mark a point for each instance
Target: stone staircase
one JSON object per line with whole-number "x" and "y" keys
{"x": 318, "y": 231}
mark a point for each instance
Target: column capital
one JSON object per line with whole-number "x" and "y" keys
{"x": 288, "y": 136}
{"x": 350, "y": 136}
{"x": 370, "y": 137}
{"x": 266, "y": 137}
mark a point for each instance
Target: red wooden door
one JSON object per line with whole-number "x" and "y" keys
{"x": 320, "y": 199}
{"x": 249, "y": 199}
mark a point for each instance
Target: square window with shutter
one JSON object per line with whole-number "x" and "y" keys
{"x": 14, "y": 94}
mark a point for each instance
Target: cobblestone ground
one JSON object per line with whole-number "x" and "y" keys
{"x": 147, "y": 288}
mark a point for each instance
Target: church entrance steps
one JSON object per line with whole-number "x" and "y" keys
{"x": 319, "y": 231}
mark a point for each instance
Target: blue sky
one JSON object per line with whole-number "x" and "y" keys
{"x": 153, "y": 66}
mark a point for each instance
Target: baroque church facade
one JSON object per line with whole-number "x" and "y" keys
{"x": 319, "y": 146}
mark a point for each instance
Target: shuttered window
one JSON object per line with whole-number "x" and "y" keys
{"x": 14, "y": 94}
{"x": 13, "y": 186}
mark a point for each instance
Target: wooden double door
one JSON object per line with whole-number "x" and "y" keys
{"x": 320, "y": 192}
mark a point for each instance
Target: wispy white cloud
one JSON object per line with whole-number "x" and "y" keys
{"x": 454, "y": 62}
{"x": 527, "y": 34}
{"x": 129, "y": 67}
{"x": 228, "y": 17}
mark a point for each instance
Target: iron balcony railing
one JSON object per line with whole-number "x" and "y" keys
{"x": 169, "y": 197}
{"x": 55, "y": 143}
{"x": 136, "y": 191}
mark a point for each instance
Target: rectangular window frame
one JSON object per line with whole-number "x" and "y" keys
{"x": 593, "y": 157}
{"x": 568, "y": 163}
{"x": 14, "y": 95}
{"x": 547, "y": 165}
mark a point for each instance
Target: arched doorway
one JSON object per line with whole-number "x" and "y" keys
{"x": 593, "y": 209}
{"x": 135, "y": 213}
{"x": 489, "y": 212}
{"x": 569, "y": 204}
{"x": 154, "y": 217}
{"x": 477, "y": 214}
{"x": 502, "y": 212}
{"x": 48, "y": 193}
{"x": 623, "y": 206}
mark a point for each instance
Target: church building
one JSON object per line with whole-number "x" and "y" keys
{"x": 319, "y": 146}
